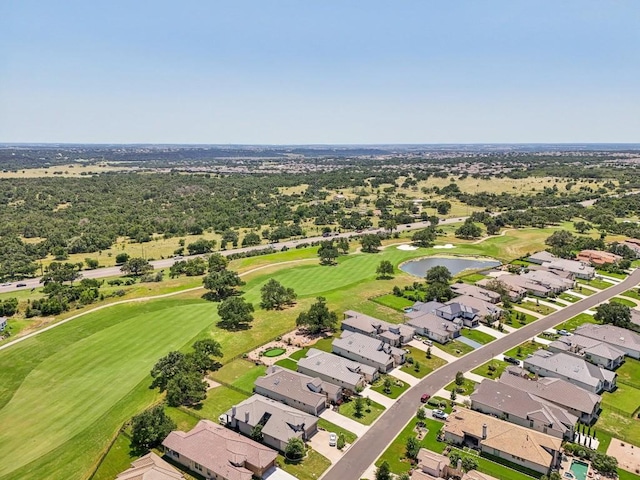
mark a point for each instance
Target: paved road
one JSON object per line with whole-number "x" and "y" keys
{"x": 167, "y": 262}
{"x": 370, "y": 446}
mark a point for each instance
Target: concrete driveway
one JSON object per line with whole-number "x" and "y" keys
{"x": 320, "y": 443}
{"x": 344, "y": 422}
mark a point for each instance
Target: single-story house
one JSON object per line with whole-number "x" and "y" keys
{"x": 484, "y": 311}
{"x": 368, "y": 351}
{"x": 476, "y": 292}
{"x": 454, "y": 309}
{"x": 150, "y": 467}
{"x": 579, "y": 269}
{"x": 542, "y": 257}
{"x": 433, "y": 327}
{"x": 434, "y": 465}
{"x": 516, "y": 292}
{"x": 620, "y": 338}
{"x": 337, "y": 370}
{"x": 594, "y": 351}
{"x": 3, "y": 323}
{"x": 278, "y": 421}
{"x": 516, "y": 444}
{"x": 519, "y": 286}
{"x": 572, "y": 369}
{"x": 427, "y": 307}
{"x": 598, "y": 257}
{"x": 311, "y": 395}
{"x": 633, "y": 244}
{"x": 523, "y": 408}
{"x": 577, "y": 401}
{"x": 547, "y": 278}
{"x": 394, "y": 334}
{"x": 216, "y": 452}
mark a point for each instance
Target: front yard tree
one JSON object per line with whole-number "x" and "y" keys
{"x": 383, "y": 472}
{"x": 615, "y": 313}
{"x": 412, "y": 448}
{"x": 318, "y": 318}
{"x": 459, "y": 379}
{"x": 294, "y": 449}
{"x": 424, "y": 238}
{"x": 222, "y": 284}
{"x": 358, "y": 406}
{"x": 370, "y": 243}
{"x": 385, "y": 269}
{"x": 327, "y": 253}
{"x": 186, "y": 388}
{"x": 274, "y": 295}
{"x": 150, "y": 428}
{"x": 235, "y": 313}
{"x": 217, "y": 262}
{"x": 136, "y": 266}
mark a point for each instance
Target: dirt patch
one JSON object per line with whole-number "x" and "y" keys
{"x": 628, "y": 456}
{"x": 211, "y": 383}
{"x": 290, "y": 342}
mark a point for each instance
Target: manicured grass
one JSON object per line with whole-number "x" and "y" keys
{"x": 298, "y": 354}
{"x": 437, "y": 402}
{"x": 427, "y": 365}
{"x": 240, "y": 373}
{"x": 288, "y": 363}
{"x": 369, "y": 414}
{"x": 624, "y": 301}
{"x": 311, "y": 468}
{"x": 466, "y": 388}
{"x": 542, "y": 309}
{"x": 218, "y": 401}
{"x": 587, "y": 292}
{"x": 522, "y": 263}
{"x": 568, "y": 297}
{"x": 473, "y": 278}
{"x": 515, "y": 319}
{"x": 624, "y": 475}
{"x": 398, "y": 387}
{"x": 525, "y": 349}
{"x": 323, "y": 344}
{"x": 395, "y": 453}
{"x": 393, "y": 301}
{"x": 617, "y": 425}
{"x": 477, "y": 336}
{"x": 576, "y": 321}
{"x": 596, "y": 283}
{"x": 274, "y": 352}
{"x": 633, "y": 293}
{"x": 625, "y": 398}
{"x": 185, "y": 419}
{"x": 116, "y": 461}
{"x": 484, "y": 370}
{"x": 501, "y": 468}
{"x": 629, "y": 372}
{"x": 620, "y": 276}
{"x": 332, "y": 427}
{"x": 455, "y": 348}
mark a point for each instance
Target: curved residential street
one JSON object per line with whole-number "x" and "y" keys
{"x": 368, "y": 448}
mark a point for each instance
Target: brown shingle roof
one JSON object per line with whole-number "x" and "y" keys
{"x": 150, "y": 467}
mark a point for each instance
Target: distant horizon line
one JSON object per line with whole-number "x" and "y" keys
{"x": 391, "y": 144}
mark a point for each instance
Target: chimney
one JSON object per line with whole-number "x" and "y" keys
{"x": 484, "y": 431}
{"x": 246, "y": 416}
{"x": 233, "y": 412}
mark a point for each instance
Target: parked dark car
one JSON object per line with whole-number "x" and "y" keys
{"x": 425, "y": 398}
{"x": 513, "y": 361}
{"x": 21, "y": 285}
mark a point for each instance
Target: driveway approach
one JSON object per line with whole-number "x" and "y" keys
{"x": 368, "y": 448}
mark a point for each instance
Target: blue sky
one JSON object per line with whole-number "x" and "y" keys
{"x": 326, "y": 71}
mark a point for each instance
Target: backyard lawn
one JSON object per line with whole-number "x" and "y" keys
{"x": 473, "y": 278}
{"x": 477, "y": 336}
{"x": 576, "y": 321}
{"x": 393, "y": 301}
{"x": 427, "y": 365}
{"x": 456, "y": 348}
{"x": 541, "y": 309}
{"x": 398, "y": 387}
{"x": 369, "y": 414}
{"x": 492, "y": 369}
{"x": 240, "y": 373}
{"x": 288, "y": 364}
{"x": 625, "y": 398}
{"x": 218, "y": 401}
{"x": 521, "y": 351}
{"x": 395, "y": 453}
{"x": 466, "y": 388}
{"x": 629, "y": 372}
{"x": 498, "y": 470}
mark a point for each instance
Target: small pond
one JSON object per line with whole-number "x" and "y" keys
{"x": 455, "y": 265}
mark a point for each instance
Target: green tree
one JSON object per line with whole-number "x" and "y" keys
{"x": 385, "y": 269}
{"x": 327, "y": 253}
{"x": 421, "y": 414}
{"x": 166, "y": 368}
{"x": 229, "y": 236}
{"x": 358, "y": 406}
{"x": 468, "y": 230}
{"x": 387, "y": 384}
{"x": 341, "y": 441}
{"x": 404, "y": 476}
{"x": 149, "y": 429}
{"x": 614, "y": 313}
{"x": 201, "y": 246}
{"x": 274, "y": 295}
{"x": 318, "y": 318}
{"x": 222, "y": 284}
{"x": 235, "y": 313}
{"x": 9, "y": 307}
{"x": 251, "y": 239}
{"x": 136, "y": 266}
{"x": 294, "y": 449}
{"x": 412, "y": 448}
{"x": 424, "y": 238}
{"x": 383, "y": 472}
{"x": 256, "y": 433}
{"x": 186, "y": 388}
{"x": 343, "y": 244}
{"x": 92, "y": 263}
{"x": 370, "y": 243}
{"x": 429, "y": 352}
{"x": 443, "y": 207}
{"x": 453, "y": 395}
{"x": 459, "y": 378}
{"x": 438, "y": 274}
{"x": 217, "y": 262}
{"x": 469, "y": 463}
{"x": 122, "y": 258}
{"x": 438, "y": 291}
{"x": 582, "y": 227}
{"x": 61, "y": 272}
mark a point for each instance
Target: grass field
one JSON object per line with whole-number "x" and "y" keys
{"x": 395, "y": 453}
{"x": 525, "y": 349}
{"x": 633, "y": 293}
{"x": 541, "y": 309}
{"x": 576, "y": 321}
{"x": 617, "y": 416}
{"x": 477, "y": 336}
{"x": 629, "y": 372}
{"x": 393, "y": 301}
{"x": 492, "y": 369}
{"x": 624, "y": 301}
{"x": 369, "y": 414}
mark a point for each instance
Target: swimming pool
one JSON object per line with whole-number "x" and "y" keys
{"x": 579, "y": 469}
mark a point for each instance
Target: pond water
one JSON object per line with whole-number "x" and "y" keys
{"x": 455, "y": 265}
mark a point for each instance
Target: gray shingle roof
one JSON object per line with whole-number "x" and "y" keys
{"x": 616, "y": 336}
{"x": 293, "y": 385}
{"x": 435, "y": 324}
{"x": 367, "y": 347}
{"x": 570, "y": 367}
{"x": 334, "y": 366}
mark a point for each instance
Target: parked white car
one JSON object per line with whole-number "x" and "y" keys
{"x": 333, "y": 439}
{"x": 437, "y": 413}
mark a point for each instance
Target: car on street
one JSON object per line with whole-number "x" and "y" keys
{"x": 564, "y": 333}
{"x": 333, "y": 439}
{"x": 437, "y": 413}
{"x": 21, "y": 285}
{"x": 425, "y": 398}
{"x": 6, "y": 285}
{"x": 511, "y": 360}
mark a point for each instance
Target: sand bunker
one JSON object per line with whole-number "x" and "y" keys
{"x": 407, "y": 247}
{"x": 448, "y": 245}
